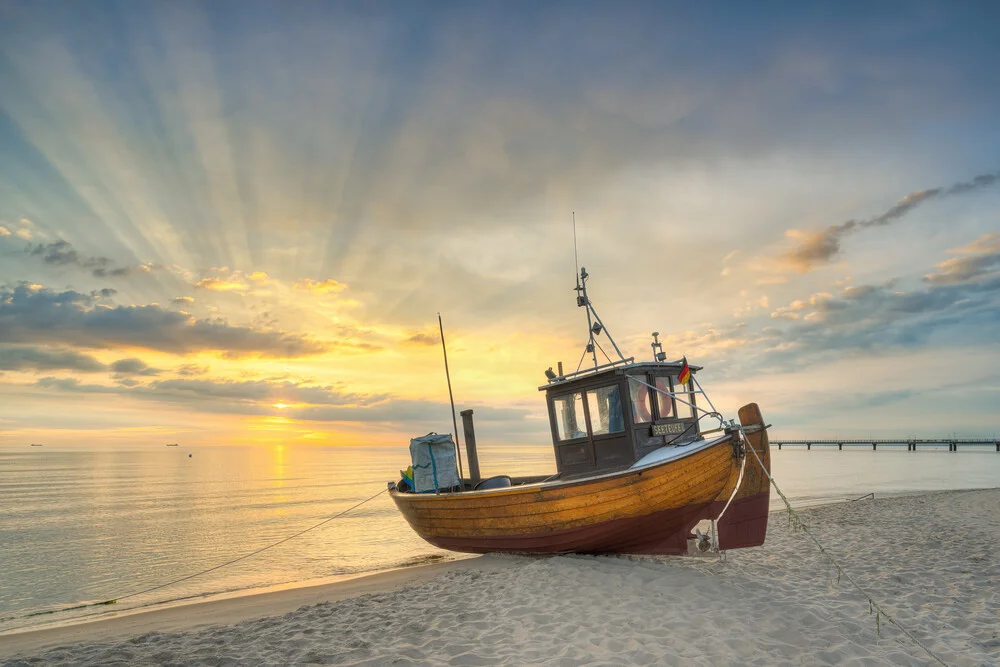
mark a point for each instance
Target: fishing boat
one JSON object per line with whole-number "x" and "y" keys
{"x": 635, "y": 471}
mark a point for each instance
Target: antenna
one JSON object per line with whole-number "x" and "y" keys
{"x": 576, "y": 257}
{"x": 594, "y": 324}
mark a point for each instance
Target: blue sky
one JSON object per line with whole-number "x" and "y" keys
{"x": 238, "y": 221}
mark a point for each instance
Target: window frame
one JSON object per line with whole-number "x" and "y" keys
{"x": 586, "y": 417}
{"x": 691, "y": 405}
{"x": 589, "y": 435}
{"x": 621, "y": 409}
{"x": 670, "y": 385}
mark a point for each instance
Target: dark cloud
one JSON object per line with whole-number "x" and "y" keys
{"x": 263, "y": 391}
{"x": 880, "y": 317}
{"x": 29, "y": 314}
{"x": 74, "y": 385}
{"x": 62, "y": 253}
{"x": 25, "y": 358}
{"x": 306, "y": 403}
{"x": 815, "y": 248}
{"x": 133, "y": 366}
{"x": 870, "y": 318}
{"x": 405, "y": 411}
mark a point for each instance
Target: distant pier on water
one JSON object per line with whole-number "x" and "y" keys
{"x": 911, "y": 443}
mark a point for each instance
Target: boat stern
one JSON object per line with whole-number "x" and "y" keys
{"x": 745, "y": 522}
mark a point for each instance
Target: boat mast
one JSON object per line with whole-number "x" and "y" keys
{"x": 451, "y": 397}
{"x": 594, "y": 324}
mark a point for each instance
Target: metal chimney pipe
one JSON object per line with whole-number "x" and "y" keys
{"x": 470, "y": 447}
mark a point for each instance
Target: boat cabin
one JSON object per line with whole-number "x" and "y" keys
{"x": 606, "y": 419}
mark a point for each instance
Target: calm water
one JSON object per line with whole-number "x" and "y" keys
{"x": 86, "y": 524}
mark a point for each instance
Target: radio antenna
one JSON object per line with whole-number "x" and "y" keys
{"x": 576, "y": 257}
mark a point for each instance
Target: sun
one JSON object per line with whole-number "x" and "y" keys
{"x": 281, "y": 406}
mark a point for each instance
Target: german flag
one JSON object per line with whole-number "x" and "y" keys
{"x": 685, "y": 373}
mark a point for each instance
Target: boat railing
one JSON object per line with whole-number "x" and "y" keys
{"x": 588, "y": 371}
{"x": 706, "y": 413}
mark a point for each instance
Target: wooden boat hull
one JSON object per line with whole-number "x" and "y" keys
{"x": 745, "y": 522}
{"x": 640, "y": 511}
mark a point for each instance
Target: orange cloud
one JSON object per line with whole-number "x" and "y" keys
{"x": 220, "y": 285}
{"x": 328, "y": 286}
{"x": 976, "y": 260}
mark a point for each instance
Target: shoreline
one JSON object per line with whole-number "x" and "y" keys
{"x": 194, "y": 614}
{"x": 925, "y": 555}
{"x": 444, "y": 558}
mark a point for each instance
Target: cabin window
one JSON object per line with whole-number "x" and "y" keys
{"x": 641, "y": 406}
{"x": 570, "y": 420}
{"x": 605, "y": 405}
{"x": 684, "y": 410}
{"x": 664, "y": 402}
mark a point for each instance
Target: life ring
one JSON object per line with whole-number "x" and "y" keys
{"x": 642, "y": 404}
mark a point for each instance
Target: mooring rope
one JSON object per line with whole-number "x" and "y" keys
{"x": 739, "y": 483}
{"x": 797, "y": 521}
{"x": 799, "y": 524}
{"x": 115, "y": 600}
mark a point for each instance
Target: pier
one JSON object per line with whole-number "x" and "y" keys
{"x": 911, "y": 443}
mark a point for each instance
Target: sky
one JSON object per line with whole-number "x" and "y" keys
{"x": 237, "y": 222}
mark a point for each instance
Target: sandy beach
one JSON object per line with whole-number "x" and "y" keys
{"x": 931, "y": 561}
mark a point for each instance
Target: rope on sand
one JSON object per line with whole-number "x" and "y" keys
{"x": 873, "y": 606}
{"x": 115, "y": 600}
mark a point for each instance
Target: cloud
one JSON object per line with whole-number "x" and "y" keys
{"x": 216, "y": 394}
{"x": 262, "y": 391}
{"x": 405, "y": 411}
{"x": 816, "y": 248}
{"x": 959, "y": 306}
{"x": 34, "y": 314}
{"x": 72, "y": 384}
{"x": 133, "y": 366}
{"x": 24, "y": 358}
{"x": 182, "y": 300}
{"x": 221, "y": 285}
{"x": 232, "y": 281}
{"x": 325, "y": 403}
{"x": 4, "y": 231}
{"x": 874, "y": 317}
{"x": 62, "y": 253}
{"x": 422, "y": 338}
{"x": 979, "y": 259}
{"x": 328, "y": 286}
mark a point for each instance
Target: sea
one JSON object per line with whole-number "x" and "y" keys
{"x": 158, "y": 525}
